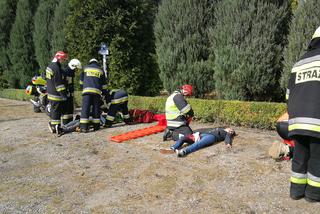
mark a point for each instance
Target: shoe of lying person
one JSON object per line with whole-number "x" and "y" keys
{"x": 181, "y": 153}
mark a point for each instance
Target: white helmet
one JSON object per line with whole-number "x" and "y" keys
{"x": 74, "y": 63}
{"x": 93, "y": 60}
{"x": 316, "y": 33}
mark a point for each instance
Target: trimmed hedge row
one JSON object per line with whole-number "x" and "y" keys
{"x": 236, "y": 113}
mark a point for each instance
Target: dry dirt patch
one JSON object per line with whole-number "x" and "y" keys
{"x": 86, "y": 173}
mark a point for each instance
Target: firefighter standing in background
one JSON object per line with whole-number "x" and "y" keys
{"x": 93, "y": 82}
{"x": 178, "y": 113}
{"x": 56, "y": 90}
{"x": 117, "y": 100}
{"x": 69, "y": 73}
{"x": 304, "y": 123}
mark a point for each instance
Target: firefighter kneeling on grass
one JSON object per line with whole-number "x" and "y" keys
{"x": 94, "y": 84}
{"x": 116, "y": 101}
{"x": 304, "y": 123}
{"x": 178, "y": 114}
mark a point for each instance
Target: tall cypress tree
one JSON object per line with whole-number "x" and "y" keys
{"x": 7, "y": 15}
{"x": 302, "y": 28}
{"x": 61, "y": 13}
{"x": 21, "y": 49}
{"x": 43, "y": 28}
{"x": 182, "y": 44}
{"x": 127, "y": 27}
{"x": 248, "y": 40}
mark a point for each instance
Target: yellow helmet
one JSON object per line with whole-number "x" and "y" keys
{"x": 316, "y": 34}
{"x": 29, "y": 90}
{"x": 38, "y": 80}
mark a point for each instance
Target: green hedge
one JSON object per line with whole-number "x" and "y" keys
{"x": 236, "y": 113}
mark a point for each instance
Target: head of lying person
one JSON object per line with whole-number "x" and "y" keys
{"x": 231, "y": 131}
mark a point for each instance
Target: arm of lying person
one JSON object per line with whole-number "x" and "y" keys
{"x": 228, "y": 140}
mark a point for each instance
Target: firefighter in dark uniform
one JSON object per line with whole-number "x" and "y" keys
{"x": 304, "y": 123}
{"x": 56, "y": 90}
{"x": 117, "y": 100}
{"x": 69, "y": 73}
{"x": 93, "y": 82}
{"x": 178, "y": 114}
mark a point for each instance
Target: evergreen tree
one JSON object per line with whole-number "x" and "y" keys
{"x": 302, "y": 28}
{"x": 21, "y": 49}
{"x": 182, "y": 44}
{"x": 7, "y": 14}
{"x": 127, "y": 27}
{"x": 248, "y": 41}
{"x": 43, "y": 28}
{"x": 59, "y": 22}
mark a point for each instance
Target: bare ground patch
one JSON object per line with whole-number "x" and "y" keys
{"x": 86, "y": 173}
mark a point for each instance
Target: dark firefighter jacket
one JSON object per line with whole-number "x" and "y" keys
{"x": 55, "y": 83}
{"x": 304, "y": 93}
{"x": 93, "y": 80}
{"x": 68, "y": 77}
{"x": 116, "y": 96}
{"x": 177, "y": 110}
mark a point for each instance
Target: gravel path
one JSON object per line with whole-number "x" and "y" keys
{"x": 86, "y": 173}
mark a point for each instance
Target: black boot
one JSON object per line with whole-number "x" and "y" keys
{"x": 167, "y": 134}
{"x": 128, "y": 121}
{"x": 108, "y": 124}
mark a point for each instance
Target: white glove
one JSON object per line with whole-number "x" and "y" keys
{"x": 74, "y": 63}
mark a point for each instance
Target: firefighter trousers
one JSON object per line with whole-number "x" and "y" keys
{"x": 68, "y": 108}
{"x": 90, "y": 106}
{"x": 181, "y": 131}
{"x": 56, "y": 112}
{"x": 114, "y": 108}
{"x": 305, "y": 178}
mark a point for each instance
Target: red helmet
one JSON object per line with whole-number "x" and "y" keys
{"x": 187, "y": 90}
{"x": 60, "y": 55}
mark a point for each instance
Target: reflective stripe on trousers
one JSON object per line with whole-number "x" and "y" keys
{"x": 298, "y": 178}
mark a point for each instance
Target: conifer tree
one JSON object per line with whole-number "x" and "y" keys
{"x": 7, "y": 15}
{"x": 127, "y": 27}
{"x": 21, "y": 49}
{"x": 182, "y": 44}
{"x": 61, "y": 13}
{"x": 248, "y": 41}
{"x": 43, "y": 29}
{"x": 302, "y": 28}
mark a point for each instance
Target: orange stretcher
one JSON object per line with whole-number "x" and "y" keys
{"x": 138, "y": 133}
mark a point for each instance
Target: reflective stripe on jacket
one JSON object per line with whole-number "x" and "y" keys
{"x": 176, "y": 110}
{"x": 93, "y": 80}
{"x": 304, "y": 96}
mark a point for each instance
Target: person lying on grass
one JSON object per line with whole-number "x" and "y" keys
{"x": 198, "y": 140}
